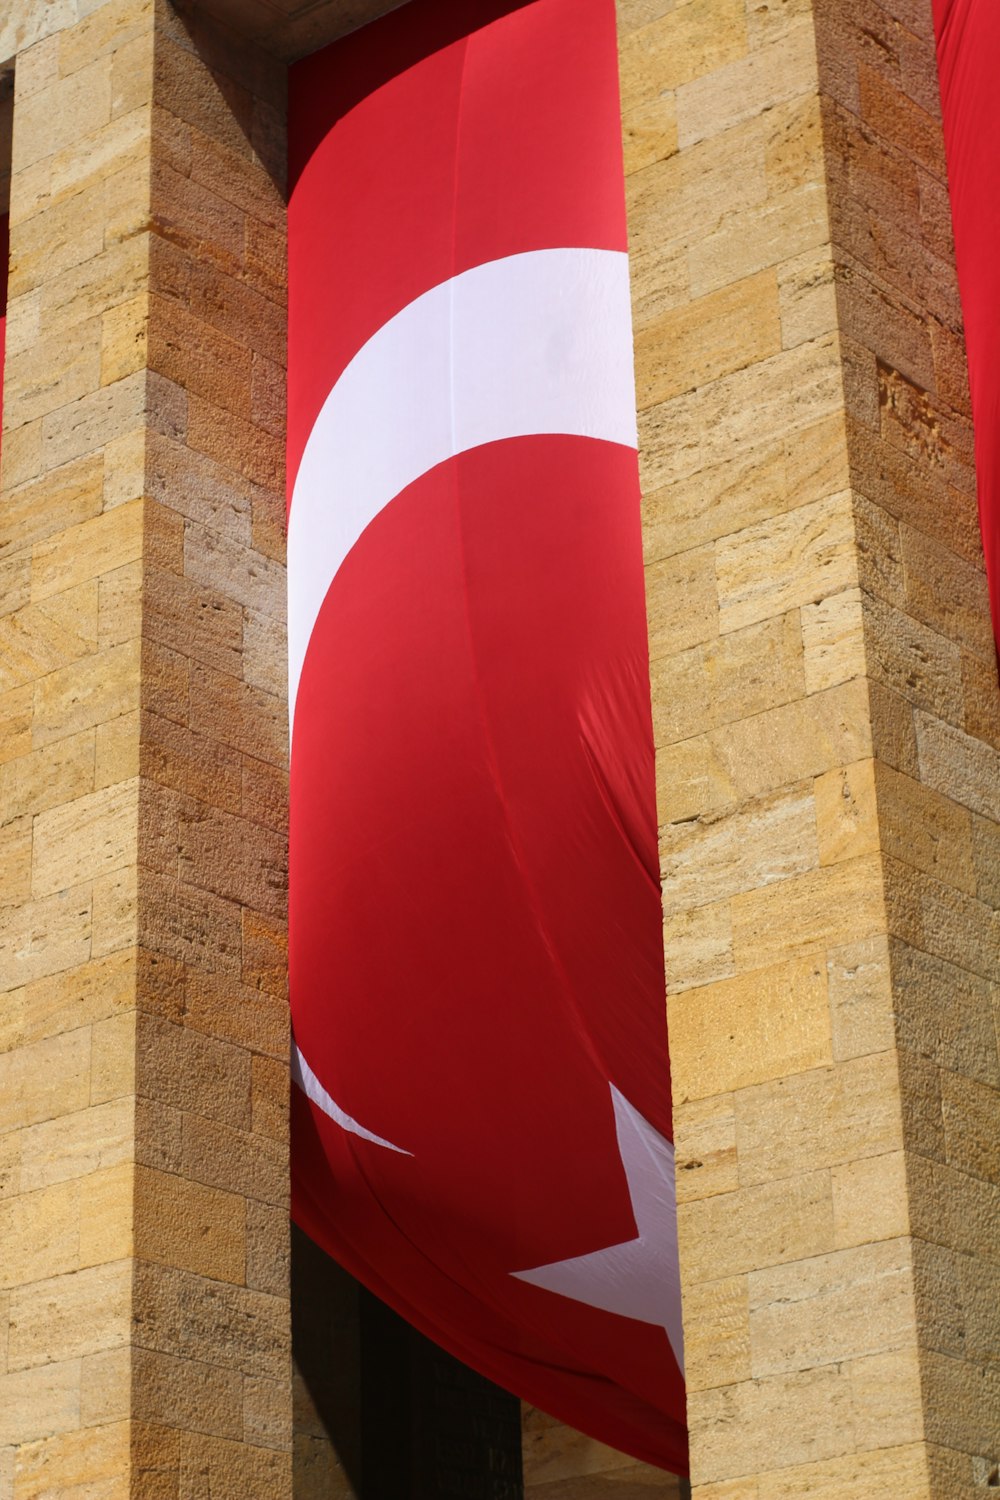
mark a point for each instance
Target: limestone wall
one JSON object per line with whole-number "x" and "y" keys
{"x": 142, "y": 733}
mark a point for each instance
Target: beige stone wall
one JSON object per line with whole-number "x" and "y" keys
{"x": 826, "y": 710}
{"x": 72, "y": 539}
{"x": 143, "y": 1209}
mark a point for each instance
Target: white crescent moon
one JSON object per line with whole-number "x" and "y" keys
{"x": 530, "y": 344}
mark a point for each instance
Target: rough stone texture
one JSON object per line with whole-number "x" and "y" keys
{"x": 143, "y": 1130}
{"x": 826, "y": 716}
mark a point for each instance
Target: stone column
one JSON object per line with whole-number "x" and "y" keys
{"x": 144, "y": 1321}
{"x": 827, "y": 722}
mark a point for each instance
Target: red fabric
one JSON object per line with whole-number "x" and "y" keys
{"x": 475, "y": 934}
{"x": 968, "y": 44}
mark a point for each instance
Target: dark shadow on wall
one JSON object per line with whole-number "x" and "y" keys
{"x": 251, "y": 83}
{"x": 6, "y": 136}
{"x": 381, "y": 1413}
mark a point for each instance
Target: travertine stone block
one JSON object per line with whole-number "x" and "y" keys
{"x": 755, "y": 1026}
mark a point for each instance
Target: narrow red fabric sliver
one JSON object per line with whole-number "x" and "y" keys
{"x": 968, "y": 48}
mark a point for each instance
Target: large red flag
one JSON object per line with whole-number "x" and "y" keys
{"x": 482, "y": 1126}
{"x": 968, "y": 46}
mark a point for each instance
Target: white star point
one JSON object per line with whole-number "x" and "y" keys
{"x": 640, "y": 1278}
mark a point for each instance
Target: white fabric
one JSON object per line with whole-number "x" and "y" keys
{"x": 303, "y": 1075}
{"x": 640, "y": 1278}
{"x": 534, "y": 343}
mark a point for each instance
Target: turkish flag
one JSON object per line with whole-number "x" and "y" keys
{"x": 968, "y": 51}
{"x": 482, "y": 1124}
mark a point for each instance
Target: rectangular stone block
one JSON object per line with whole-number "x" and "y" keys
{"x": 116, "y": 751}
{"x": 870, "y": 1200}
{"x": 796, "y": 1418}
{"x": 795, "y": 741}
{"x": 787, "y": 394}
{"x": 189, "y": 926}
{"x": 232, "y": 858}
{"x": 40, "y": 638}
{"x": 264, "y": 793}
{"x": 826, "y": 1117}
{"x": 239, "y": 715}
{"x": 945, "y": 1014}
{"x": 251, "y": 1164}
{"x": 86, "y": 693}
{"x": 847, "y": 821}
{"x": 15, "y": 861}
{"x": 766, "y": 1224}
{"x": 715, "y": 857}
{"x": 952, "y": 1209}
{"x": 914, "y": 661}
{"x": 56, "y": 501}
{"x": 923, "y": 828}
{"x": 70, "y": 1316}
{"x": 748, "y": 486}
{"x": 825, "y": 907}
{"x": 65, "y": 1001}
{"x": 187, "y": 1225}
{"x": 707, "y": 338}
{"x": 706, "y": 1157}
{"x": 799, "y": 557}
{"x": 971, "y": 1114}
{"x": 107, "y": 1210}
{"x": 119, "y": 605}
{"x": 58, "y": 773}
{"x": 105, "y": 1387}
{"x": 44, "y": 1079}
{"x": 682, "y": 606}
{"x": 856, "y": 1476}
{"x": 699, "y": 946}
{"x": 733, "y": 678}
{"x": 86, "y": 838}
{"x": 717, "y": 1315}
{"x": 85, "y": 551}
{"x": 852, "y": 1303}
{"x": 245, "y": 1014}
{"x": 191, "y": 764}
{"x": 39, "y": 1403}
{"x": 762, "y": 1024}
{"x": 959, "y": 765}
{"x": 41, "y": 1235}
{"x": 833, "y": 640}
{"x": 95, "y": 1459}
{"x": 76, "y": 1144}
{"x": 238, "y": 1328}
{"x": 233, "y": 1470}
{"x": 888, "y": 1398}
{"x": 187, "y": 1393}
{"x": 662, "y": 51}
{"x": 947, "y": 592}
